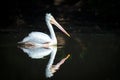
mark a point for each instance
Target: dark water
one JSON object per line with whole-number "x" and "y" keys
{"x": 93, "y": 56}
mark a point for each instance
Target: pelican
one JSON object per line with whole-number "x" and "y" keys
{"x": 39, "y": 39}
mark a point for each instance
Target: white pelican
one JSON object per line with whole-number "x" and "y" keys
{"x": 39, "y": 39}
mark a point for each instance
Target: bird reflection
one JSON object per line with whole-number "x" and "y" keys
{"x": 56, "y": 67}
{"x": 38, "y": 52}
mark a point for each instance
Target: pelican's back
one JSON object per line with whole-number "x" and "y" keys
{"x": 37, "y": 37}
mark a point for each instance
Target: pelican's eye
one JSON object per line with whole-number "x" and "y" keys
{"x": 52, "y": 20}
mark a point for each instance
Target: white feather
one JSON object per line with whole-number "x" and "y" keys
{"x": 37, "y": 37}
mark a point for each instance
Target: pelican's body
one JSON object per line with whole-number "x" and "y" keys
{"x": 39, "y": 39}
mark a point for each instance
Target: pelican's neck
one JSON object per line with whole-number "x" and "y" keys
{"x": 52, "y": 33}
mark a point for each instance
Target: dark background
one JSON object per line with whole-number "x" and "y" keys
{"x": 19, "y": 17}
{"x": 84, "y": 12}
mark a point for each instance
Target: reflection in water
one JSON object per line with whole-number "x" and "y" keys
{"x": 57, "y": 66}
{"x": 39, "y": 52}
{"x": 99, "y": 52}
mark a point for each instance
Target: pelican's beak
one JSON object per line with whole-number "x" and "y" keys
{"x": 53, "y": 21}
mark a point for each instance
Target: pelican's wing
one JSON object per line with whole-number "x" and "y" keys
{"x": 37, "y": 37}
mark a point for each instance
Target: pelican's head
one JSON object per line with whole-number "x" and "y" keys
{"x": 51, "y": 20}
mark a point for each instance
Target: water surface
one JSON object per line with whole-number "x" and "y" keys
{"x": 92, "y": 56}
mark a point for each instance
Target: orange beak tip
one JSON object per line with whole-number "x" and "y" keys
{"x": 68, "y": 56}
{"x": 69, "y": 35}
